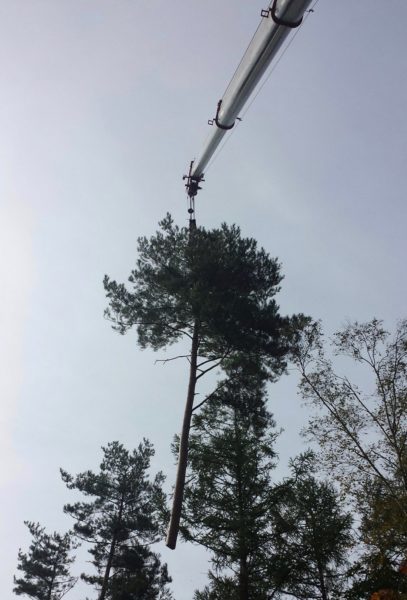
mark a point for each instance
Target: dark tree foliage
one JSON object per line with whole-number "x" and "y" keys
{"x": 376, "y": 577}
{"x": 311, "y": 536}
{"x": 383, "y": 532}
{"x": 215, "y": 279}
{"x": 267, "y": 540}
{"x": 45, "y": 567}
{"x": 139, "y": 575}
{"x": 121, "y": 515}
{"x": 215, "y": 288}
{"x": 219, "y": 588}
{"x": 229, "y": 492}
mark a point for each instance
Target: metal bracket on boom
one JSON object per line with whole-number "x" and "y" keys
{"x": 216, "y": 120}
{"x": 218, "y": 124}
{"x": 271, "y": 12}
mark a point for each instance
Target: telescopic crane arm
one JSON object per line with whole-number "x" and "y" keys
{"x": 277, "y": 21}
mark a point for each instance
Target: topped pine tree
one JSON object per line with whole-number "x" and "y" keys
{"x": 215, "y": 288}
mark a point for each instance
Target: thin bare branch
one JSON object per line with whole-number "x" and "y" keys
{"x": 209, "y": 369}
{"x": 165, "y": 360}
{"x": 218, "y": 387}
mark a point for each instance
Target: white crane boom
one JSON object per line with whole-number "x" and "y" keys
{"x": 276, "y": 23}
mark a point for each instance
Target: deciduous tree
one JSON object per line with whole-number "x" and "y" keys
{"x": 362, "y": 432}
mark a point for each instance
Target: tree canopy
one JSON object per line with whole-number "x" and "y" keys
{"x": 120, "y": 518}
{"x": 362, "y": 432}
{"x": 46, "y": 566}
{"x": 215, "y": 277}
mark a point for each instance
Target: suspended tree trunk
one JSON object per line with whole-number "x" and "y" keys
{"x": 173, "y": 526}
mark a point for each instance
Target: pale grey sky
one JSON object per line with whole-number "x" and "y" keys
{"x": 103, "y": 104}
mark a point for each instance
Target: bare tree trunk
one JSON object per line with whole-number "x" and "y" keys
{"x": 173, "y": 526}
{"x": 108, "y": 568}
{"x": 243, "y": 578}
{"x": 106, "y": 576}
{"x": 324, "y": 594}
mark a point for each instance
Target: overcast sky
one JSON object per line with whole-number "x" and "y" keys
{"x": 103, "y": 104}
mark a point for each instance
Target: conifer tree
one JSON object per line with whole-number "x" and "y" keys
{"x": 139, "y": 575}
{"x": 45, "y": 567}
{"x": 121, "y": 517}
{"x": 229, "y": 494}
{"x": 214, "y": 288}
{"x": 311, "y": 536}
{"x": 267, "y": 539}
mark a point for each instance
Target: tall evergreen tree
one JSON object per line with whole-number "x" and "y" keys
{"x": 215, "y": 288}
{"x": 311, "y": 536}
{"x": 121, "y": 516}
{"x": 267, "y": 539}
{"x": 45, "y": 567}
{"x": 229, "y": 493}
